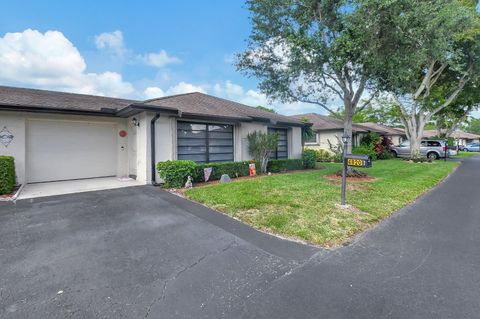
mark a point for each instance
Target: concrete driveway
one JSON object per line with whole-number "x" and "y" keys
{"x": 132, "y": 253}
{"x": 140, "y": 252}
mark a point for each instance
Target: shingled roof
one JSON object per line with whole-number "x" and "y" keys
{"x": 14, "y": 98}
{"x": 382, "y": 129}
{"x": 200, "y": 104}
{"x": 190, "y": 104}
{"x": 325, "y": 123}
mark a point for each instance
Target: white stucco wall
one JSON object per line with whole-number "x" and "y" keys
{"x": 16, "y": 123}
{"x": 295, "y": 142}
{"x": 241, "y": 144}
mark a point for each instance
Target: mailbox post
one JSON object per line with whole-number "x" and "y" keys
{"x": 364, "y": 161}
{"x": 345, "y": 139}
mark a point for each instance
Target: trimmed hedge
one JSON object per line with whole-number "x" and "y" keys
{"x": 309, "y": 158}
{"x": 7, "y": 174}
{"x": 365, "y": 150}
{"x": 232, "y": 169}
{"x": 175, "y": 173}
{"x": 283, "y": 165}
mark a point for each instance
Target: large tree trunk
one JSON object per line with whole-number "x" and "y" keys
{"x": 414, "y": 126}
{"x": 347, "y": 126}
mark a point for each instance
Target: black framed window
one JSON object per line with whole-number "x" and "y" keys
{"x": 282, "y": 147}
{"x": 204, "y": 143}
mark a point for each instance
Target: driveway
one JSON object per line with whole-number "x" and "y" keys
{"x": 141, "y": 252}
{"x": 132, "y": 253}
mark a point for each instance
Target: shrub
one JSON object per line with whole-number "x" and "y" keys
{"x": 365, "y": 150}
{"x": 324, "y": 156}
{"x": 371, "y": 138}
{"x": 175, "y": 173}
{"x": 260, "y": 145}
{"x": 283, "y": 165}
{"x": 7, "y": 174}
{"x": 233, "y": 169}
{"x": 309, "y": 158}
{"x": 337, "y": 150}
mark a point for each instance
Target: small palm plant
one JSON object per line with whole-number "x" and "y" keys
{"x": 260, "y": 145}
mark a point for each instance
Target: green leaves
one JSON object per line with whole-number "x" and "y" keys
{"x": 7, "y": 174}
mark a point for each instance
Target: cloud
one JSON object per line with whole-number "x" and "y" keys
{"x": 184, "y": 87}
{"x": 153, "y": 92}
{"x": 111, "y": 41}
{"x": 50, "y": 60}
{"x": 159, "y": 59}
{"x": 235, "y": 92}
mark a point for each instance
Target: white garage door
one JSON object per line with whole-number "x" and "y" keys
{"x": 58, "y": 150}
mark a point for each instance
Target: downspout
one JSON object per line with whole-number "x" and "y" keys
{"x": 152, "y": 148}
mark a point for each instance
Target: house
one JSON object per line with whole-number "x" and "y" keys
{"x": 56, "y": 136}
{"x": 329, "y": 130}
{"x": 396, "y": 135}
{"x": 461, "y": 138}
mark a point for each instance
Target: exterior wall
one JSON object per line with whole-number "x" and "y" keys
{"x": 143, "y": 147}
{"x": 323, "y": 137}
{"x": 241, "y": 145}
{"x": 16, "y": 123}
{"x": 295, "y": 142}
{"x": 396, "y": 139}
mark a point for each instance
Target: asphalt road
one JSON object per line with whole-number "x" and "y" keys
{"x": 143, "y": 253}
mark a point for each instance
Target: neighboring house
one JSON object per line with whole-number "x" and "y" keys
{"x": 396, "y": 135}
{"x": 63, "y": 136}
{"x": 461, "y": 138}
{"x": 329, "y": 130}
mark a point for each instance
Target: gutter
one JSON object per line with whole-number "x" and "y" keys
{"x": 152, "y": 149}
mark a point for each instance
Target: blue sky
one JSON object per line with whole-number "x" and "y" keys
{"x": 133, "y": 49}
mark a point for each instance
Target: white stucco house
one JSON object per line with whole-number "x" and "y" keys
{"x": 329, "y": 130}
{"x": 57, "y": 136}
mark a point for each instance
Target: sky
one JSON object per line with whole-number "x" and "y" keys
{"x": 130, "y": 49}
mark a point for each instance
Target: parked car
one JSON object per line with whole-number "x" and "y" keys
{"x": 432, "y": 149}
{"x": 474, "y": 147}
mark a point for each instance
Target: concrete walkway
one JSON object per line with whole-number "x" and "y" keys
{"x": 74, "y": 186}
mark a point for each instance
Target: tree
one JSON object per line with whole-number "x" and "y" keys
{"x": 451, "y": 117}
{"x": 260, "y": 145}
{"x": 420, "y": 46}
{"x": 473, "y": 126}
{"x": 381, "y": 110}
{"x": 307, "y": 131}
{"x": 266, "y": 109}
{"x": 309, "y": 51}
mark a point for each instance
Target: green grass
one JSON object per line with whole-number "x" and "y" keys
{"x": 303, "y": 205}
{"x": 466, "y": 154}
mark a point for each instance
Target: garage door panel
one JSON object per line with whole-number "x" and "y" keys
{"x": 70, "y": 150}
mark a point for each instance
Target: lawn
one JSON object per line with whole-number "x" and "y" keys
{"x": 466, "y": 154}
{"x": 302, "y": 205}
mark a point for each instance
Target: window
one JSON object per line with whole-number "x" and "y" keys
{"x": 433, "y": 144}
{"x": 312, "y": 140}
{"x": 204, "y": 143}
{"x": 282, "y": 146}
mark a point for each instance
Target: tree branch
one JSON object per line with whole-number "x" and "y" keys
{"x": 461, "y": 83}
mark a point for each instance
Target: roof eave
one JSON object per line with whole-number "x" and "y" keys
{"x": 36, "y": 109}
